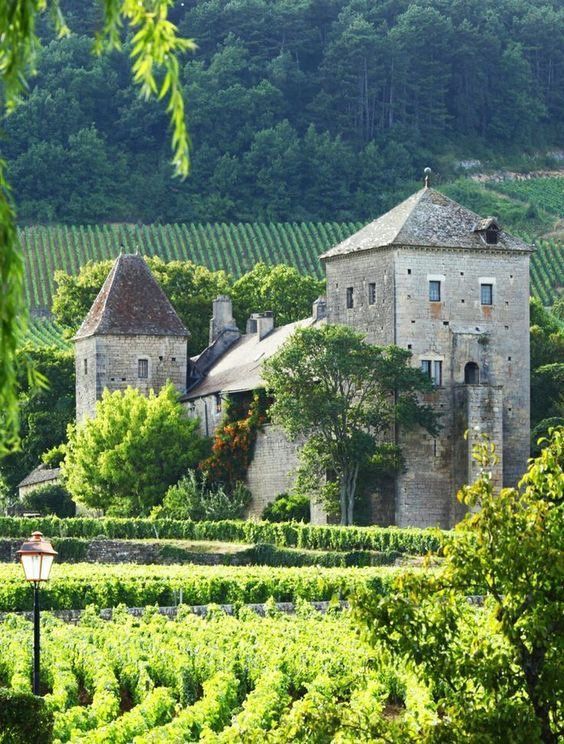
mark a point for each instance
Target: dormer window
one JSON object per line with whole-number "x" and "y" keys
{"x": 489, "y": 230}
{"x": 491, "y": 235}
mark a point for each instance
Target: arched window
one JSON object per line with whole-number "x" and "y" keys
{"x": 471, "y": 373}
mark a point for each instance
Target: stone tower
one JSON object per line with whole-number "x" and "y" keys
{"x": 131, "y": 337}
{"x": 435, "y": 278}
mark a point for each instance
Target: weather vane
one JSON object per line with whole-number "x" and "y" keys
{"x": 427, "y": 173}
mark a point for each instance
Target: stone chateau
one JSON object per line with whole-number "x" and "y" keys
{"x": 429, "y": 276}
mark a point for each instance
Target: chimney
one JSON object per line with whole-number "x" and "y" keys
{"x": 261, "y": 323}
{"x": 222, "y": 318}
{"x": 319, "y": 309}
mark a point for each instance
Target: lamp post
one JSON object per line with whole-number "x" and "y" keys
{"x": 36, "y": 556}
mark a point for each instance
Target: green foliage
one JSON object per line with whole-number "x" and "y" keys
{"x": 342, "y": 395}
{"x": 75, "y": 586}
{"x": 155, "y": 50}
{"x": 494, "y": 673}
{"x": 193, "y": 498}
{"x": 308, "y": 536}
{"x": 279, "y": 288}
{"x": 290, "y": 123}
{"x": 44, "y": 412}
{"x": 547, "y": 366}
{"x": 287, "y": 508}
{"x": 49, "y": 499}
{"x": 265, "y": 554}
{"x": 24, "y": 718}
{"x": 124, "y": 459}
{"x": 302, "y": 678}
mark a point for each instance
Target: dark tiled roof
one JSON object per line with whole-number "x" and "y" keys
{"x": 131, "y": 303}
{"x": 41, "y": 474}
{"x": 428, "y": 219}
{"x": 239, "y": 368}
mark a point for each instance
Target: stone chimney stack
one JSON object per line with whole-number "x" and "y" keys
{"x": 222, "y": 318}
{"x": 319, "y": 309}
{"x": 261, "y": 323}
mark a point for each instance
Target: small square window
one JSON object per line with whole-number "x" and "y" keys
{"x": 486, "y": 294}
{"x": 434, "y": 291}
{"x": 142, "y": 369}
{"x": 409, "y": 346}
{"x": 86, "y": 366}
{"x": 409, "y": 271}
{"x": 426, "y": 367}
{"x": 433, "y": 369}
{"x": 350, "y": 297}
{"x": 371, "y": 293}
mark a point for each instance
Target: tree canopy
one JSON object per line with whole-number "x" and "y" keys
{"x": 44, "y": 412}
{"x": 495, "y": 674}
{"x": 154, "y": 49}
{"x": 311, "y": 110}
{"x": 123, "y": 460}
{"x": 344, "y": 397}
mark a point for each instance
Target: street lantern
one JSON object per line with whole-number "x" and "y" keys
{"x": 36, "y": 556}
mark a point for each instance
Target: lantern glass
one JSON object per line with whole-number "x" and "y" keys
{"x": 37, "y": 556}
{"x": 37, "y": 566}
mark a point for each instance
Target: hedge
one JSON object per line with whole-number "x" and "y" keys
{"x": 283, "y": 534}
{"x": 77, "y": 586}
{"x": 24, "y": 718}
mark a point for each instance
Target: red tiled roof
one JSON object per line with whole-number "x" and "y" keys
{"x": 131, "y": 303}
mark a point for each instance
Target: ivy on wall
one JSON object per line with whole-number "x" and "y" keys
{"x": 234, "y": 440}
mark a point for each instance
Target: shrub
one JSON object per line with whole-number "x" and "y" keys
{"x": 193, "y": 498}
{"x": 287, "y": 508}
{"x": 51, "y": 498}
{"x": 24, "y": 719}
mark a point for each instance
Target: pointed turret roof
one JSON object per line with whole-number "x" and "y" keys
{"x": 429, "y": 219}
{"x": 131, "y": 303}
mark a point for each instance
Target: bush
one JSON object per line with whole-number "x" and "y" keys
{"x": 50, "y": 499}
{"x": 192, "y": 498}
{"x": 287, "y": 508}
{"x": 24, "y": 719}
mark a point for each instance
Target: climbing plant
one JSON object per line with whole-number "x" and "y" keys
{"x": 234, "y": 441}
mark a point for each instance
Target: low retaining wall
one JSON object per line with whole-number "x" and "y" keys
{"x": 289, "y": 608}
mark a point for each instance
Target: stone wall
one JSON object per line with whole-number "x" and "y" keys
{"x": 456, "y": 330}
{"x": 111, "y": 362}
{"x": 272, "y": 470}
{"x": 358, "y": 272}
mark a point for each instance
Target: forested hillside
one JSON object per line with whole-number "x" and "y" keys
{"x": 299, "y": 110}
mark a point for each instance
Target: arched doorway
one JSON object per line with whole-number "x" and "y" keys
{"x": 471, "y": 374}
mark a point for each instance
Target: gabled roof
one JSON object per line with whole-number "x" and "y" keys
{"x": 239, "y": 369}
{"x": 428, "y": 219}
{"x": 41, "y": 474}
{"x": 131, "y": 303}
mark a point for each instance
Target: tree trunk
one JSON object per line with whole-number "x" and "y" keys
{"x": 347, "y": 491}
{"x": 343, "y": 500}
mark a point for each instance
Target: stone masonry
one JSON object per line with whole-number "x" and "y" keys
{"x": 457, "y": 330}
{"x": 430, "y": 276}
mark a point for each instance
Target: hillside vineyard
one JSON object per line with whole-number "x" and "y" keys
{"x": 233, "y": 247}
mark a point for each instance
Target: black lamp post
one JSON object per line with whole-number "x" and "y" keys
{"x": 36, "y": 556}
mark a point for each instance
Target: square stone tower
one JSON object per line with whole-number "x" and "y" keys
{"x": 131, "y": 337}
{"x": 453, "y": 288}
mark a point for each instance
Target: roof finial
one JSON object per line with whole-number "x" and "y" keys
{"x": 427, "y": 173}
